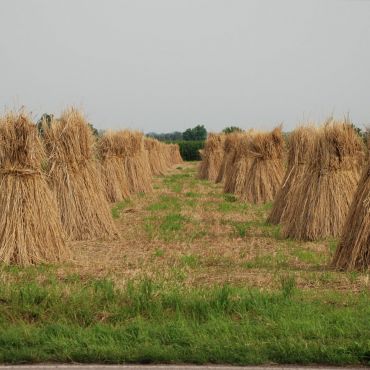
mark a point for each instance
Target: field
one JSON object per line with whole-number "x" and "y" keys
{"x": 196, "y": 276}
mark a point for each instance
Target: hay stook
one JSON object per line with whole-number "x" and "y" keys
{"x": 211, "y": 157}
{"x": 74, "y": 178}
{"x": 320, "y": 202}
{"x": 31, "y": 231}
{"x": 111, "y": 152}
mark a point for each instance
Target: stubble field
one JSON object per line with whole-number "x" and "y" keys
{"x": 196, "y": 276}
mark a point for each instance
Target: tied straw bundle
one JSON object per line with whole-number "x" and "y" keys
{"x": 74, "y": 179}
{"x": 31, "y": 231}
{"x": 320, "y": 202}
{"x": 111, "y": 149}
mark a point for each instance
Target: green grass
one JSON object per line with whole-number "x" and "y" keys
{"x": 277, "y": 261}
{"x": 190, "y": 260}
{"x": 254, "y": 228}
{"x": 119, "y": 207}
{"x": 166, "y": 202}
{"x": 311, "y": 257}
{"x": 94, "y": 321}
{"x": 175, "y": 182}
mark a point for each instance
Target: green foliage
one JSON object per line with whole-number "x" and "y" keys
{"x": 171, "y": 136}
{"x": 230, "y": 129}
{"x": 197, "y": 133}
{"x": 93, "y": 130}
{"x": 360, "y": 132}
{"x": 189, "y": 150}
{"x": 119, "y": 207}
{"x": 44, "y": 119}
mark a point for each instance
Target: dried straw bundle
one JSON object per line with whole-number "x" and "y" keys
{"x": 168, "y": 156}
{"x": 238, "y": 163}
{"x": 266, "y": 169}
{"x": 353, "y": 251}
{"x": 165, "y": 157}
{"x": 74, "y": 179}
{"x": 155, "y": 156}
{"x": 301, "y": 148}
{"x": 320, "y": 202}
{"x": 136, "y": 163}
{"x": 211, "y": 157}
{"x": 229, "y": 147}
{"x": 30, "y": 226}
{"x": 111, "y": 149}
{"x": 174, "y": 150}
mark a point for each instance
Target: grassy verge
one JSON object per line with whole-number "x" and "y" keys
{"x": 95, "y": 321}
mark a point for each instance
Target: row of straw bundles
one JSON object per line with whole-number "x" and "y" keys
{"x": 158, "y": 159}
{"x": 31, "y": 231}
{"x": 301, "y": 150}
{"x": 155, "y": 155}
{"x": 211, "y": 157}
{"x": 136, "y": 162}
{"x": 266, "y": 170}
{"x": 318, "y": 203}
{"x": 255, "y": 168}
{"x": 172, "y": 154}
{"x": 354, "y": 248}
{"x": 237, "y": 162}
{"x": 111, "y": 152}
{"x": 174, "y": 151}
{"x": 228, "y": 157}
{"x": 74, "y": 179}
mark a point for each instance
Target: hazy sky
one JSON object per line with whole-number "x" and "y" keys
{"x": 165, "y": 65}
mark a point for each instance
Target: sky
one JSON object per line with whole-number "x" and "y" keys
{"x": 167, "y": 65}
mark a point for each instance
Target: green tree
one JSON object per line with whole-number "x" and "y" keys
{"x": 230, "y": 129}
{"x": 46, "y": 118}
{"x": 199, "y": 132}
{"x": 93, "y": 129}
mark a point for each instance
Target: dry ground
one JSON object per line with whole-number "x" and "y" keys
{"x": 188, "y": 232}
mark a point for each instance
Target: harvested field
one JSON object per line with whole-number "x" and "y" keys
{"x": 188, "y": 232}
{"x": 194, "y": 261}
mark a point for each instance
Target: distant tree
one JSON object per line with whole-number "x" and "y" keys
{"x": 357, "y": 129}
{"x": 172, "y": 136}
{"x": 199, "y": 132}
{"x": 93, "y": 130}
{"x": 230, "y": 129}
{"x": 45, "y": 119}
{"x": 359, "y": 132}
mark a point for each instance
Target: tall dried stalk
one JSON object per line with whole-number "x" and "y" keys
{"x": 266, "y": 168}
{"x": 74, "y": 179}
{"x": 211, "y": 157}
{"x": 111, "y": 149}
{"x": 320, "y": 203}
{"x": 136, "y": 162}
{"x": 30, "y": 226}
{"x": 353, "y": 251}
{"x": 229, "y": 147}
{"x": 301, "y": 147}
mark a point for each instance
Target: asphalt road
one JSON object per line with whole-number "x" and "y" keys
{"x": 171, "y": 367}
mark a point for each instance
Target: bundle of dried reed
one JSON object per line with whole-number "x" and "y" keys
{"x": 230, "y": 144}
{"x": 74, "y": 179}
{"x": 136, "y": 162}
{"x": 265, "y": 170}
{"x": 31, "y": 231}
{"x": 111, "y": 152}
{"x": 301, "y": 148}
{"x": 211, "y": 157}
{"x": 353, "y": 251}
{"x": 320, "y": 202}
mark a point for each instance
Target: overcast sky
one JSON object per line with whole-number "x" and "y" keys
{"x": 165, "y": 65}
